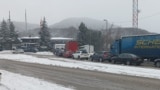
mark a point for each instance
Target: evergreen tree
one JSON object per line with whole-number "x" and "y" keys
{"x": 5, "y": 35}
{"x": 82, "y": 36}
{"x": 13, "y": 34}
{"x": 44, "y": 34}
{"x": 91, "y": 37}
{"x": 4, "y": 31}
{"x": 96, "y": 40}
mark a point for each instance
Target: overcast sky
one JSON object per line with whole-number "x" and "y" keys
{"x": 118, "y": 12}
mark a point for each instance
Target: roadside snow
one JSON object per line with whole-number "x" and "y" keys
{"x": 63, "y": 62}
{"x": 44, "y": 53}
{"x": 12, "y": 81}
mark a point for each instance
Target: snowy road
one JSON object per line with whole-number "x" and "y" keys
{"x": 80, "y": 79}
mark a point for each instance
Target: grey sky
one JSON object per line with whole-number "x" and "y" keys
{"x": 118, "y": 12}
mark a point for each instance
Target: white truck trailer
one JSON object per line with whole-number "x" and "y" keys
{"x": 88, "y": 48}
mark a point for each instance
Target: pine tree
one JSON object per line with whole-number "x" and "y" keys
{"x": 91, "y": 37}
{"x": 4, "y": 31}
{"x": 96, "y": 40}
{"x": 44, "y": 34}
{"x": 13, "y": 34}
{"x": 82, "y": 36}
{"x": 5, "y": 35}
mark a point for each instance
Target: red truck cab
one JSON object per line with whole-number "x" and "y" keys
{"x": 70, "y": 48}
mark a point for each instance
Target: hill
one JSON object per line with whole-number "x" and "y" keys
{"x": 75, "y": 22}
{"x": 69, "y": 28}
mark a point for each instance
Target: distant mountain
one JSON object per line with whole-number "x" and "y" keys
{"x": 75, "y": 22}
{"x": 69, "y": 28}
{"x": 128, "y": 31}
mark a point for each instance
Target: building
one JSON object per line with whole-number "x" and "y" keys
{"x": 34, "y": 41}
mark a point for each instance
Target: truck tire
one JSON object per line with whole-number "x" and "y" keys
{"x": 90, "y": 58}
{"x": 100, "y": 60}
{"x": 72, "y": 57}
{"x": 79, "y": 58}
{"x": 158, "y": 64}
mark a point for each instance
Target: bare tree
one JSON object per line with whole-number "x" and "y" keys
{"x": 108, "y": 38}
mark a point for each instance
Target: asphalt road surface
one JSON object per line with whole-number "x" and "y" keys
{"x": 81, "y": 79}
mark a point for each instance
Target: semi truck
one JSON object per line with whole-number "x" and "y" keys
{"x": 145, "y": 46}
{"x": 70, "y": 48}
{"x": 58, "y": 49}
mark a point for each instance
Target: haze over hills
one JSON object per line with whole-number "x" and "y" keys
{"x": 67, "y": 23}
{"x": 69, "y": 28}
{"x": 20, "y": 26}
{"x": 75, "y": 22}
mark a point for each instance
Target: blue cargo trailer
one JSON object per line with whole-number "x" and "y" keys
{"x": 145, "y": 46}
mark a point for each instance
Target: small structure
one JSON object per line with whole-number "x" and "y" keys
{"x": 34, "y": 41}
{"x": 30, "y": 41}
{"x": 60, "y": 40}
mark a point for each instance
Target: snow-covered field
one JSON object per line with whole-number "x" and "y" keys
{"x": 12, "y": 81}
{"x": 63, "y": 62}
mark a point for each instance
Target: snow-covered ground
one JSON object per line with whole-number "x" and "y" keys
{"x": 44, "y": 53}
{"x": 12, "y": 81}
{"x": 64, "y": 62}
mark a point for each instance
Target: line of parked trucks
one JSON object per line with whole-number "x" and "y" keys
{"x": 72, "y": 50}
{"x": 144, "y": 46}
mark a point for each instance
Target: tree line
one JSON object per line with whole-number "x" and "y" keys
{"x": 8, "y": 36}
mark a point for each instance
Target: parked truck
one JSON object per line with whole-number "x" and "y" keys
{"x": 70, "y": 48}
{"x": 89, "y": 49}
{"x": 59, "y": 46}
{"x": 145, "y": 46}
{"x": 58, "y": 49}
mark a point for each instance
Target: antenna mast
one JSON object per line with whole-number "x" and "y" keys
{"x": 9, "y": 17}
{"x": 135, "y": 14}
{"x": 25, "y": 19}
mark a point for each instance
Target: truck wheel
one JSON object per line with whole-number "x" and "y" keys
{"x": 79, "y": 58}
{"x": 90, "y": 58}
{"x": 87, "y": 58}
{"x": 158, "y": 64}
{"x": 100, "y": 60}
{"x": 72, "y": 57}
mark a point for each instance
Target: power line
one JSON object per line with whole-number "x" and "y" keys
{"x": 156, "y": 14}
{"x": 142, "y": 18}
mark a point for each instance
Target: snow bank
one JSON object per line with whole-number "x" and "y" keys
{"x": 44, "y": 53}
{"x": 118, "y": 69}
{"x": 12, "y": 81}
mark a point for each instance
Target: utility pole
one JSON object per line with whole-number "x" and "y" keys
{"x": 26, "y": 20}
{"x": 106, "y": 24}
{"x": 106, "y": 32}
{"x": 135, "y": 14}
